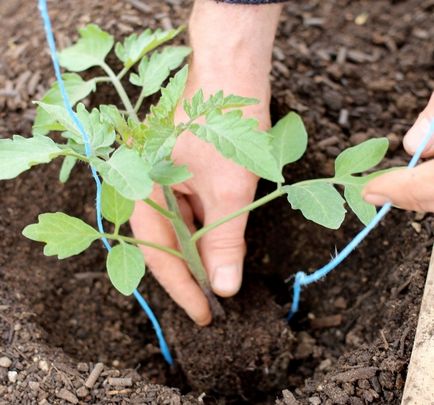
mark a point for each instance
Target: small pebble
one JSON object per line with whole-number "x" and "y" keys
{"x": 12, "y": 376}
{"x": 67, "y": 396}
{"x": 83, "y": 367}
{"x": 43, "y": 365}
{"x": 5, "y": 362}
{"x": 33, "y": 385}
{"x": 82, "y": 392}
{"x": 314, "y": 401}
{"x": 416, "y": 226}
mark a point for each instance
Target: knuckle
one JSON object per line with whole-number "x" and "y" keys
{"x": 226, "y": 242}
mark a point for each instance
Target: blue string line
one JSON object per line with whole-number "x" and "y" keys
{"x": 302, "y": 279}
{"x": 88, "y": 150}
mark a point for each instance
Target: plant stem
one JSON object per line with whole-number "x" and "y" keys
{"x": 157, "y": 207}
{"x": 101, "y": 79}
{"x": 135, "y": 241}
{"x": 190, "y": 252}
{"x": 122, "y": 73}
{"x": 139, "y": 101}
{"x": 121, "y": 91}
{"x": 275, "y": 194}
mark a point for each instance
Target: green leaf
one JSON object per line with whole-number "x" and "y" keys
{"x": 19, "y": 154}
{"x": 90, "y": 50}
{"x": 159, "y": 141}
{"x": 115, "y": 208}
{"x": 59, "y": 115}
{"x": 318, "y": 202}
{"x": 289, "y": 139}
{"x": 170, "y": 96}
{"x": 100, "y": 132}
{"x": 361, "y": 157}
{"x": 64, "y": 235}
{"x": 155, "y": 70}
{"x": 110, "y": 113}
{"x": 364, "y": 211}
{"x": 198, "y": 106}
{"x": 127, "y": 172}
{"x": 237, "y": 138}
{"x": 136, "y": 46}
{"x": 125, "y": 267}
{"x": 167, "y": 174}
{"x": 67, "y": 166}
{"x": 76, "y": 88}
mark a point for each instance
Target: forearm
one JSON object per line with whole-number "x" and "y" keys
{"x": 239, "y": 38}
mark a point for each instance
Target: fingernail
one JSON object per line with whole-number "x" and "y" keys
{"x": 375, "y": 199}
{"x": 226, "y": 279}
{"x": 415, "y": 135}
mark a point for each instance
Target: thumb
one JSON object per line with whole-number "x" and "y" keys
{"x": 223, "y": 250}
{"x": 420, "y": 129}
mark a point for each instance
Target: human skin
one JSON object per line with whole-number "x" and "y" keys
{"x": 410, "y": 189}
{"x": 232, "y": 47}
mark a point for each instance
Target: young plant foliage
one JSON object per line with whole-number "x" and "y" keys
{"x": 125, "y": 267}
{"x": 63, "y": 235}
{"x": 132, "y": 152}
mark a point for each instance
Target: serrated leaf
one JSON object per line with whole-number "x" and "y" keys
{"x": 111, "y": 114}
{"x": 364, "y": 211}
{"x": 361, "y": 157}
{"x": 318, "y": 202}
{"x": 159, "y": 141}
{"x": 238, "y": 139}
{"x": 127, "y": 172}
{"x": 197, "y": 106}
{"x": 125, "y": 267}
{"x": 115, "y": 208}
{"x": 289, "y": 139}
{"x": 19, "y": 154}
{"x": 134, "y": 47}
{"x": 167, "y": 174}
{"x": 60, "y": 116}
{"x": 153, "y": 71}
{"x": 90, "y": 50}
{"x": 100, "y": 132}
{"x": 170, "y": 96}
{"x": 67, "y": 165}
{"x": 76, "y": 88}
{"x": 63, "y": 235}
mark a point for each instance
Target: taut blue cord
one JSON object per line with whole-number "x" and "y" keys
{"x": 88, "y": 150}
{"x": 302, "y": 279}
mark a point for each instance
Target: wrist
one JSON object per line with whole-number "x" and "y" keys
{"x": 233, "y": 38}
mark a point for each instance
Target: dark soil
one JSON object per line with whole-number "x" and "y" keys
{"x": 351, "y": 341}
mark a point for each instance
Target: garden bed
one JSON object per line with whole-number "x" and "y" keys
{"x": 351, "y": 341}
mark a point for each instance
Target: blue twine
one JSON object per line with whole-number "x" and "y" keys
{"x": 53, "y": 52}
{"x": 302, "y": 279}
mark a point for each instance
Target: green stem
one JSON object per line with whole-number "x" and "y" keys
{"x": 190, "y": 252}
{"x": 122, "y": 73}
{"x": 275, "y": 194}
{"x": 135, "y": 241}
{"x": 101, "y": 79}
{"x": 121, "y": 91}
{"x": 139, "y": 101}
{"x": 157, "y": 207}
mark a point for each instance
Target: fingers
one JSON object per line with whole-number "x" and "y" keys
{"x": 411, "y": 189}
{"x": 170, "y": 271}
{"x": 419, "y": 130}
{"x": 223, "y": 248}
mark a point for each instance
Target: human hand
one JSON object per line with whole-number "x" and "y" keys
{"x": 411, "y": 189}
{"x": 239, "y": 65}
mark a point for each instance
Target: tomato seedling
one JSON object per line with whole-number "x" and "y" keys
{"x": 132, "y": 153}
